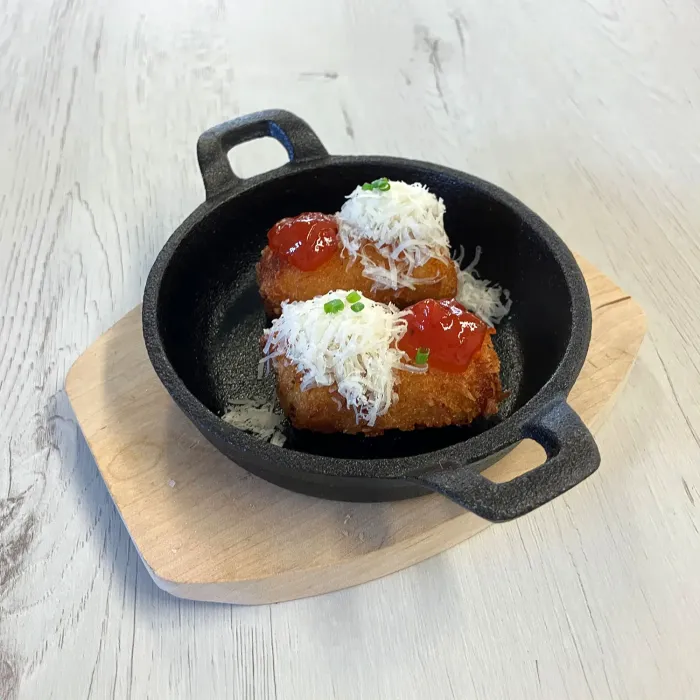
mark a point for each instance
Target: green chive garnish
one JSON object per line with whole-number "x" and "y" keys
{"x": 353, "y": 297}
{"x": 382, "y": 184}
{"x": 358, "y": 306}
{"x": 333, "y": 306}
{"x": 422, "y": 356}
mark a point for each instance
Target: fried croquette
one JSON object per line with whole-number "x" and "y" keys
{"x": 425, "y": 400}
{"x": 279, "y": 280}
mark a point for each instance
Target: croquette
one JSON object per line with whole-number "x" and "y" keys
{"x": 279, "y": 280}
{"x": 425, "y": 400}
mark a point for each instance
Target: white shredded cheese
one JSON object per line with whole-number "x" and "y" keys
{"x": 353, "y": 351}
{"x": 403, "y": 224}
{"x": 481, "y": 297}
{"x": 256, "y": 417}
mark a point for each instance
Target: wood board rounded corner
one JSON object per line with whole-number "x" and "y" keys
{"x": 207, "y": 530}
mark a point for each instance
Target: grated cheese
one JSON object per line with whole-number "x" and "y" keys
{"x": 481, "y": 297}
{"x": 353, "y": 351}
{"x": 403, "y": 224}
{"x": 256, "y": 417}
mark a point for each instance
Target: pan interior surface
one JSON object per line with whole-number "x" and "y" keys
{"x": 210, "y": 316}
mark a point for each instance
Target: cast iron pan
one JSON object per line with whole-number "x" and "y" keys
{"x": 202, "y": 320}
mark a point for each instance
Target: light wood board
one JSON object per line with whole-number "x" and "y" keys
{"x": 208, "y": 530}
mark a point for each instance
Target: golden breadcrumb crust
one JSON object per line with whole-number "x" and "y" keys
{"x": 433, "y": 399}
{"x": 280, "y": 281}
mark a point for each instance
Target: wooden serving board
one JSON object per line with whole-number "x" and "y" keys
{"x": 208, "y": 530}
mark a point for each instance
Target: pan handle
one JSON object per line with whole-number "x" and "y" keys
{"x": 572, "y": 455}
{"x": 299, "y": 140}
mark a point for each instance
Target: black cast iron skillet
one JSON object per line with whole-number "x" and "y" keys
{"x": 202, "y": 320}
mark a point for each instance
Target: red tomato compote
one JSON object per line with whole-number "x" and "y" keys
{"x": 307, "y": 240}
{"x": 449, "y": 333}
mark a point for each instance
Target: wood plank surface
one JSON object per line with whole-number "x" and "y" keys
{"x": 585, "y": 109}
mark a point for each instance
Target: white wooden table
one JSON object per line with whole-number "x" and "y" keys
{"x": 588, "y": 110}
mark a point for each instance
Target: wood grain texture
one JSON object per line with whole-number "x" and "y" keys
{"x": 208, "y": 531}
{"x": 585, "y": 109}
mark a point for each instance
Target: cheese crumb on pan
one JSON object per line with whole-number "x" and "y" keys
{"x": 256, "y": 417}
{"x": 356, "y": 351}
{"x": 403, "y": 224}
{"x": 481, "y": 297}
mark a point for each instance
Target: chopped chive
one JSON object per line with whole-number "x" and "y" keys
{"x": 382, "y": 184}
{"x": 422, "y": 356}
{"x": 353, "y": 297}
{"x": 357, "y": 306}
{"x": 333, "y": 306}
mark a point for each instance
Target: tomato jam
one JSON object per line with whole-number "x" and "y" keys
{"x": 450, "y": 333}
{"x": 307, "y": 240}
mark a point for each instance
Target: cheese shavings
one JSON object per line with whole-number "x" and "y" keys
{"x": 354, "y": 352}
{"x": 481, "y": 297}
{"x": 256, "y": 417}
{"x": 403, "y": 226}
